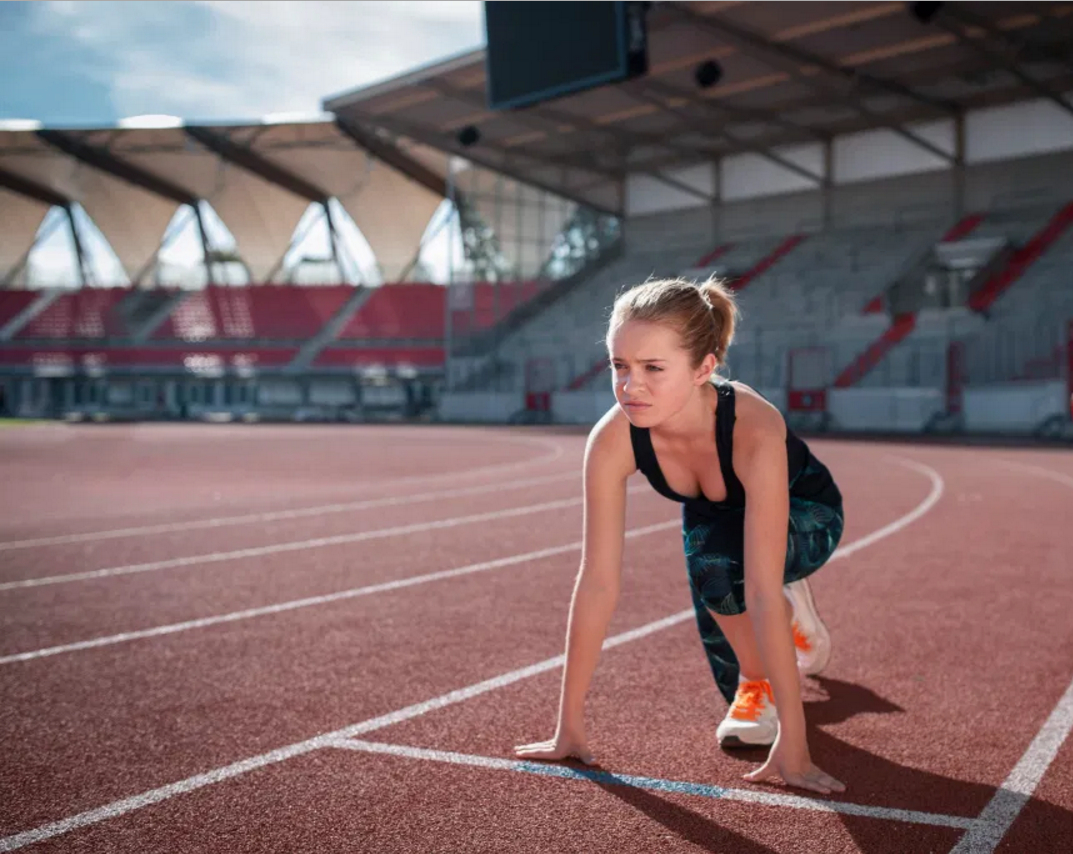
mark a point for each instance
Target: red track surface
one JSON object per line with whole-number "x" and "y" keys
{"x": 953, "y": 645}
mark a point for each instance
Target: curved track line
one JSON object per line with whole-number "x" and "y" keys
{"x": 294, "y": 545}
{"x": 276, "y": 515}
{"x": 325, "y": 599}
{"x": 145, "y": 530}
{"x": 327, "y": 740}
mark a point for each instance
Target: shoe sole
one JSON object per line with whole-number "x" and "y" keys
{"x": 823, "y": 636}
{"x": 732, "y": 741}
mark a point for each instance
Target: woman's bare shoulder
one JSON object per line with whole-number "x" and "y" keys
{"x": 610, "y": 447}
{"x": 756, "y": 418}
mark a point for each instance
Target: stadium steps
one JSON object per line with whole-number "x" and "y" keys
{"x": 713, "y": 256}
{"x": 312, "y": 348}
{"x": 485, "y": 353}
{"x": 486, "y": 342}
{"x": 962, "y": 229}
{"x": 767, "y": 262}
{"x": 1020, "y": 260}
{"x": 896, "y": 333}
{"x": 27, "y": 315}
{"x": 148, "y": 318}
{"x": 958, "y": 231}
{"x": 903, "y": 324}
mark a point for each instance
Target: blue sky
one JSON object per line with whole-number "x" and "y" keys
{"x": 90, "y": 62}
{"x": 93, "y": 62}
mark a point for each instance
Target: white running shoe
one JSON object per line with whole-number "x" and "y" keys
{"x": 811, "y": 638}
{"x": 752, "y": 720}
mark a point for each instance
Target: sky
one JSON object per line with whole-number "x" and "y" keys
{"x": 93, "y": 62}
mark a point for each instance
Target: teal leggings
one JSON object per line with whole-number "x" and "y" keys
{"x": 714, "y": 548}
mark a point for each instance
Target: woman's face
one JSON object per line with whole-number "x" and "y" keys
{"x": 651, "y": 373}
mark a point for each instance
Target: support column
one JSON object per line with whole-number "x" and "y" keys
{"x": 334, "y": 238}
{"x": 828, "y": 182}
{"x": 959, "y": 166}
{"x": 205, "y": 247}
{"x": 83, "y": 273}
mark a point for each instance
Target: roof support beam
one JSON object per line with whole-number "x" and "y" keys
{"x": 475, "y": 153}
{"x": 32, "y": 190}
{"x": 104, "y": 160}
{"x": 791, "y": 59}
{"x": 80, "y": 252}
{"x": 957, "y": 22}
{"x": 754, "y": 44}
{"x": 701, "y": 127}
{"x": 545, "y": 119}
{"x": 734, "y": 111}
{"x": 253, "y": 162}
{"x": 393, "y": 156}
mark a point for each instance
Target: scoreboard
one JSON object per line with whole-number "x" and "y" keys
{"x": 537, "y": 51}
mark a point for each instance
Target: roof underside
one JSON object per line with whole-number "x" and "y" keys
{"x": 792, "y": 73}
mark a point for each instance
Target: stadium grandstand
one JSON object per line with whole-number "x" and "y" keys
{"x": 887, "y": 186}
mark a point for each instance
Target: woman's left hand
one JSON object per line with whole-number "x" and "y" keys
{"x": 794, "y": 765}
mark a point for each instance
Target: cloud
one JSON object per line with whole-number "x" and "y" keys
{"x": 224, "y": 60}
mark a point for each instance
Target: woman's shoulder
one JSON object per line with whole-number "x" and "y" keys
{"x": 756, "y": 419}
{"x": 610, "y": 445}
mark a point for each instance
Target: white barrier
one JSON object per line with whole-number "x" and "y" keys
{"x": 1014, "y": 407}
{"x": 332, "y": 392}
{"x": 581, "y": 407}
{"x": 495, "y": 407}
{"x": 884, "y": 409}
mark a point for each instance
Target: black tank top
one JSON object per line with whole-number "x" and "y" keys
{"x": 809, "y": 478}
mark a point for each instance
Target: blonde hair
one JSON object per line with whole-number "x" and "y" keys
{"x": 704, "y": 315}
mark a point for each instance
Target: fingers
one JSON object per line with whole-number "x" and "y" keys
{"x": 764, "y": 772}
{"x": 551, "y": 750}
{"x": 539, "y": 750}
{"x": 815, "y": 781}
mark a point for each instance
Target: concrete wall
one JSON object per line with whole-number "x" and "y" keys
{"x": 1014, "y": 408}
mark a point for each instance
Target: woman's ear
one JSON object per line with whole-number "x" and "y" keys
{"x": 707, "y": 367}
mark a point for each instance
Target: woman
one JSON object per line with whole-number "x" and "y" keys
{"x": 756, "y": 490}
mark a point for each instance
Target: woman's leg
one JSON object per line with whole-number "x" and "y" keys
{"x": 715, "y": 566}
{"x": 730, "y": 645}
{"x": 721, "y": 657}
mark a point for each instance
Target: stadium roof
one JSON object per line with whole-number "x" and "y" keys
{"x": 792, "y": 72}
{"x": 260, "y": 178}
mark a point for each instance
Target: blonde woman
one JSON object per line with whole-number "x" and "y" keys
{"x": 759, "y": 515}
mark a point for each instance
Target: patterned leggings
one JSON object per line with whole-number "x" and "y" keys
{"x": 714, "y": 548}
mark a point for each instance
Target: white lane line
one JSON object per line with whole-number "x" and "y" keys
{"x": 275, "y": 515}
{"x": 203, "y": 622}
{"x": 657, "y": 784}
{"x": 265, "y": 610}
{"x": 217, "y": 775}
{"x": 936, "y": 493}
{"x": 125, "y": 805}
{"x": 1056, "y": 476}
{"x": 1002, "y": 810}
{"x": 296, "y": 545}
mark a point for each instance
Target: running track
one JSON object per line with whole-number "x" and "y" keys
{"x": 247, "y": 639}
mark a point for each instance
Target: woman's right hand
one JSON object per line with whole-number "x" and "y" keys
{"x": 562, "y": 745}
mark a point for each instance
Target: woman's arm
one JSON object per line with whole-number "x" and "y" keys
{"x": 761, "y": 464}
{"x": 763, "y": 473}
{"x": 596, "y": 589}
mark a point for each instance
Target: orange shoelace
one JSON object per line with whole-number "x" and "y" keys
{"x": 749, "y": 699}
{"x": 800, "y": 641}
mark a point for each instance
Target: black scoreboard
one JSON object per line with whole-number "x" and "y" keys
{"x": 537, "y": 51}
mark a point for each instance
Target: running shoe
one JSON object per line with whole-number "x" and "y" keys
{"x": 752, "y": 720}
{"x": 811, "y": 638}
